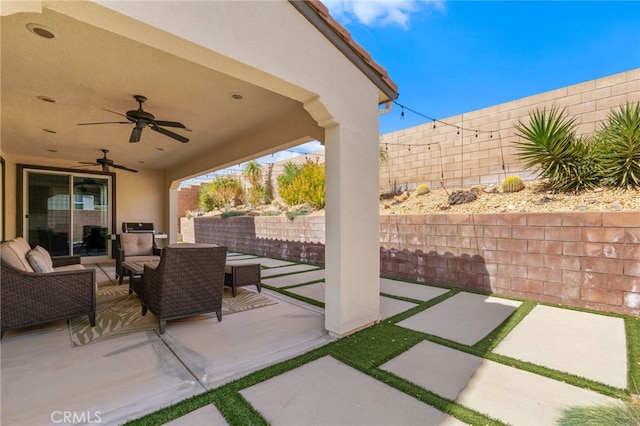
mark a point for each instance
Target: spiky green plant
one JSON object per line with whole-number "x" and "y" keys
{"x": 621, "y": 131}
{"x": 620, "y": 414}
{"x": 550, "y": 145}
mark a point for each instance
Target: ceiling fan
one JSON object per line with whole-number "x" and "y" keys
{"x": 106, "y": 163}
{"x": 142, "y": 119}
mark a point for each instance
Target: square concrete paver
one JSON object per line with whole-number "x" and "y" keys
{"x": 388, "y": 306}
{"x": 588, "y": 345}
{"x": 287, "y": 269}
{"x": 207, "y": 415}
{"x": 328, "y": 392}
{"x": 466, "y": 317}
{"x": 293, "y": 279}
{"x": 506, "y": 393}
{"x": 410, "y": 290}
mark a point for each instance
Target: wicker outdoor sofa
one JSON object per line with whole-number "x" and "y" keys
{"x": 61, "y": 287}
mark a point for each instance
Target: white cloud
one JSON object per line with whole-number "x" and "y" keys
{"x": 378, "y": 12}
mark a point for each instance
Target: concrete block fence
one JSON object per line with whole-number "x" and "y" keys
{"x": 582, "y": 259}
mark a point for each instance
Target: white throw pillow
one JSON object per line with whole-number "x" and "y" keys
{"x": 45, "y": 254}
{"x": 38, "y": 262}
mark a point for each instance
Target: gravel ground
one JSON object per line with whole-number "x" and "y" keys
{"x": 534, "y": 198}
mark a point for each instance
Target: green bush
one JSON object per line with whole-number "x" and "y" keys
{"x": 621, "y": 136}
{"x": 551, "y": 146}
{"x": 224, "y": 191}
{"x": 512, "y": 184}
{"x": 303, "y": 184}
{"x": 422, "y": 189}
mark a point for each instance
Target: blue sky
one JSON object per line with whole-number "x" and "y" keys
{"x": 453, "y": 57}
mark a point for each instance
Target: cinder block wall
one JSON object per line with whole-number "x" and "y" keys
{"x": 583, "y": 259}
{"x": 458, "y": 156}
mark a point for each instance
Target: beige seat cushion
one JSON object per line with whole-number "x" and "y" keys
{"x": 66, "y": 268}
{"x": 14, "y": 253}
{"x": 137, "y": 244}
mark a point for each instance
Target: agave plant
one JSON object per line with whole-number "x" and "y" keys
{"x": 622, "y": 134}
{"x": 550, "y": 145}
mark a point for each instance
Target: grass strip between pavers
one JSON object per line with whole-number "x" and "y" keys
{"x": 632, "y": 327}
{"x": 367, "y": 349}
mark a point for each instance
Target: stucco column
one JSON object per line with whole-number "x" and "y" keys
{"x": 352, "y": 242}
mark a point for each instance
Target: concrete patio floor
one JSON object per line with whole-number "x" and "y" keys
{"x": 127, "y": 377}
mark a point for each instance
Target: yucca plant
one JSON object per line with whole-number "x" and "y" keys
{"x": 551, "y": 146}
{"x": 621, "y": 132}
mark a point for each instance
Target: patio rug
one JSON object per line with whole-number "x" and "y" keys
{"x": 119, "y": 313}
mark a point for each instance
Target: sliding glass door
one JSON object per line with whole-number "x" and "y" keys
{"x": 67, "y": 213}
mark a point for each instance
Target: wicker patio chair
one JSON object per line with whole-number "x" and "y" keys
{"x": 30, "y": 298}
{"x": 188, "y": 281}
{"x": 134, "y": 246}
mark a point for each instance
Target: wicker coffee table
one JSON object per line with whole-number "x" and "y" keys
{"x": 135, "y": 269}
{"x": 242, "y": 274}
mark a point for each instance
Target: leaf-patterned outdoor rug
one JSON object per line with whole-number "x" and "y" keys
{"x": 119, "y": 313}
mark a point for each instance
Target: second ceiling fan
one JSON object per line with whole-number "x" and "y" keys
{"x": 142, "y": 119}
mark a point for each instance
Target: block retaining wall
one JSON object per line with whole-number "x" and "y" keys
{"x": 583, "y": 259}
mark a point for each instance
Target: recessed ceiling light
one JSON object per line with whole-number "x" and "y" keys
{"x": 52, "y": 150}
{"x": 40, "y": 31}
{"x": 236, "y": 95}
{"x": 160, "y": 149}
{"x": 49, "y": 131}
{"x": 46, "y": 99}
{"x": 141, "y": 162}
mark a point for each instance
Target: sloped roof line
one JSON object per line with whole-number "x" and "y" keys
{"x": 318, "y": 14}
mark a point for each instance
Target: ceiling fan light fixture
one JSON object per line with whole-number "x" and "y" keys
{"x": 40, "y": 31}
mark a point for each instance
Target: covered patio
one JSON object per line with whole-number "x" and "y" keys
{"x": 246, "y": 79}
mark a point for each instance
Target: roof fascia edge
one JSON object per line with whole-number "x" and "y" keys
{"x": 329, "y": 32}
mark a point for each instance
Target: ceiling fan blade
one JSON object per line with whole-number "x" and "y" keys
{"x": 115, "y": 112}
{"x": 105, "y": 122}
{"x": 135, "y": 134}
{"x": 88, "y": 163}
{"x": 170, "y": 124}
{"x": 117, "y": 166}
{"x": 170, "y": 134}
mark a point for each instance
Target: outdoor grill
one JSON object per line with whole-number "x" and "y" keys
{"x": 138, "y": 227}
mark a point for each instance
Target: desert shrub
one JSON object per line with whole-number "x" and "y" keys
{"x": 292, "y": 214}
{"x": 303, "y": 184}
{"x": 232, "y": 213}
{"x": 257, "y": 193}
{"x": 551, "y": 146}
{"x": 620, "y": 135}
{"x": 618, "y": 414}
{"x": 512, "y": 184}
{"x": 461, "y": 197}
{"x": 224, "y": 191}
{"x": 422, "y": 189}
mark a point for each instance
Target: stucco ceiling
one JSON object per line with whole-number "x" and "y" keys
{"x": 86, "y": 70}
